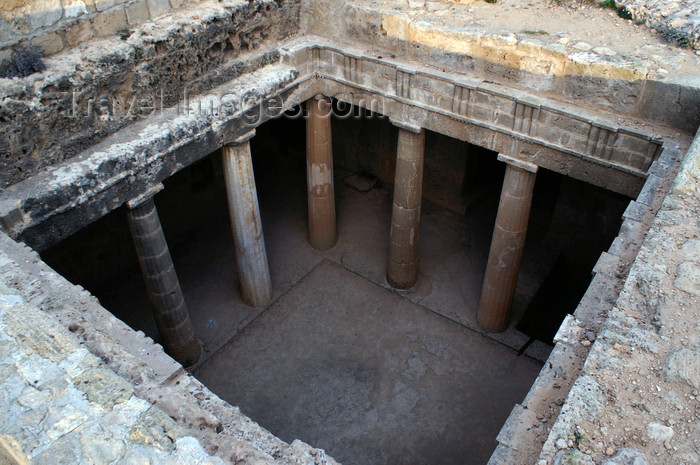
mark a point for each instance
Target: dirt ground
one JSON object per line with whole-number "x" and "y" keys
{"x": 567, "y": 22}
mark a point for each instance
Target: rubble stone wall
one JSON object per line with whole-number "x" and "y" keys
{"x": 55, "y": 25}
{"x": 84, "y": 96}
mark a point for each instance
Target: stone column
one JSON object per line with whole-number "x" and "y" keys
{"x": 164, "y": 291}
{"x": 402, "y": 267}
{"x": 251, "y": 257}
{"x": 319, "y": 174}
{"x": 506, "y": 245}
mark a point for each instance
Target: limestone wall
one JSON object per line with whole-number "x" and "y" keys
{"x": 87, "y": 94}
{"x": 55, "y": 25}
{"x": 636, "y": 398}
{"x": 595, "y": 77}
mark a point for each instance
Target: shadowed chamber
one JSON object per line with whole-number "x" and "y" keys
{"x": 339, "y": 359}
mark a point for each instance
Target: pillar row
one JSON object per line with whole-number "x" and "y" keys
{"x": 402, "y": 267}
{"x": 506, "y": 244}
{"x": 319, "y": 174}
{"x": 249, "y": 243}
{"x": 164, "y": 292}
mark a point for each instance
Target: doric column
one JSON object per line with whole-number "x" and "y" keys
{"x": 402, "y": 267}
{"x": 251, "y": 257}
{"x": 507, "y": 244}
{"x": 319, "y": 174}
{"x": 164, "y": 291}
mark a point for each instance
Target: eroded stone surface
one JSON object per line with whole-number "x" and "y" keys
{"x": 60, "y": 401}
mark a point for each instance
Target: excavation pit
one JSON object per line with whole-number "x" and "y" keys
{"x": 366, "y": 406}
{"x": 491, "y": 226}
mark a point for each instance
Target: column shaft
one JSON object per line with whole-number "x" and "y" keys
{"x": 163, "y": 286}
{"x": 506, "y": 247}
{"x": 251, "y": 257}
{"x": 319, "y": 174}
{"x": 402, "y": 267}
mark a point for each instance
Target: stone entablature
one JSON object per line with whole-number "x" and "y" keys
{"x": 506, "y": 110}
{"x": 54, "y": 204}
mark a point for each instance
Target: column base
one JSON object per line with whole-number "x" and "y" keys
{"x": 402, "y": 275}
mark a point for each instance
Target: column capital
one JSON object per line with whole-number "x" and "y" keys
{"x": 145, "y": 196}
{"x": 242, "y": 139}
{"x": 320, "y": 97}
{"x": 407, "y": 126}
{"x": 517, "y": 163}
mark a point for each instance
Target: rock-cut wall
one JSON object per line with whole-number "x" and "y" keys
{"x": 55, "y": 25}
{"x": 86, "y": 95}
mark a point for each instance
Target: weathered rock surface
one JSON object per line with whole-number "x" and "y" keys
{"x": 626, "y": 457}
{"x": 63, "y": 404}
{"x": 646, "y": 360}
{"x": 86, "y": 95}
{"x": 679, "y": 20}
{"x": 684, "y": 365}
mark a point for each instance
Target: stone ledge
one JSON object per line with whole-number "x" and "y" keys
{"x": 84, "y": 182}
{"x": 63, "y": 403}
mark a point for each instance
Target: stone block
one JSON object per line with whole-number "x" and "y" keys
{"x": 607, "y": 264}
{"x": 4, "y": 32}
{"x": 79, "y": 33}
{"x": 682, "y": 365}
{"x": 137, "y": 13}
{"x": 109, "y": 22}
{"x": 635, "y": 211}
{"x": 651, "y": 186}
{"x": 158, "y": 7}
{"x": 632, "y": 143}
{"x": 18, "y": 26}
{"x": 501, "y": 456}
{"x": 616, "y": 155}
{"x": 74, "y": 8}
{"x": 689, "y": 280}
{"x": 569, "y": 332}
{"x": 660, "y": 168}
{"x": 599, "y": 298}
{"x": 43, "y": 14}
{"x": 49, "y": 43}
{"x": 639, "y": 162}
{"x": 520, "y": 419}
{"x": 102, "y": 5}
